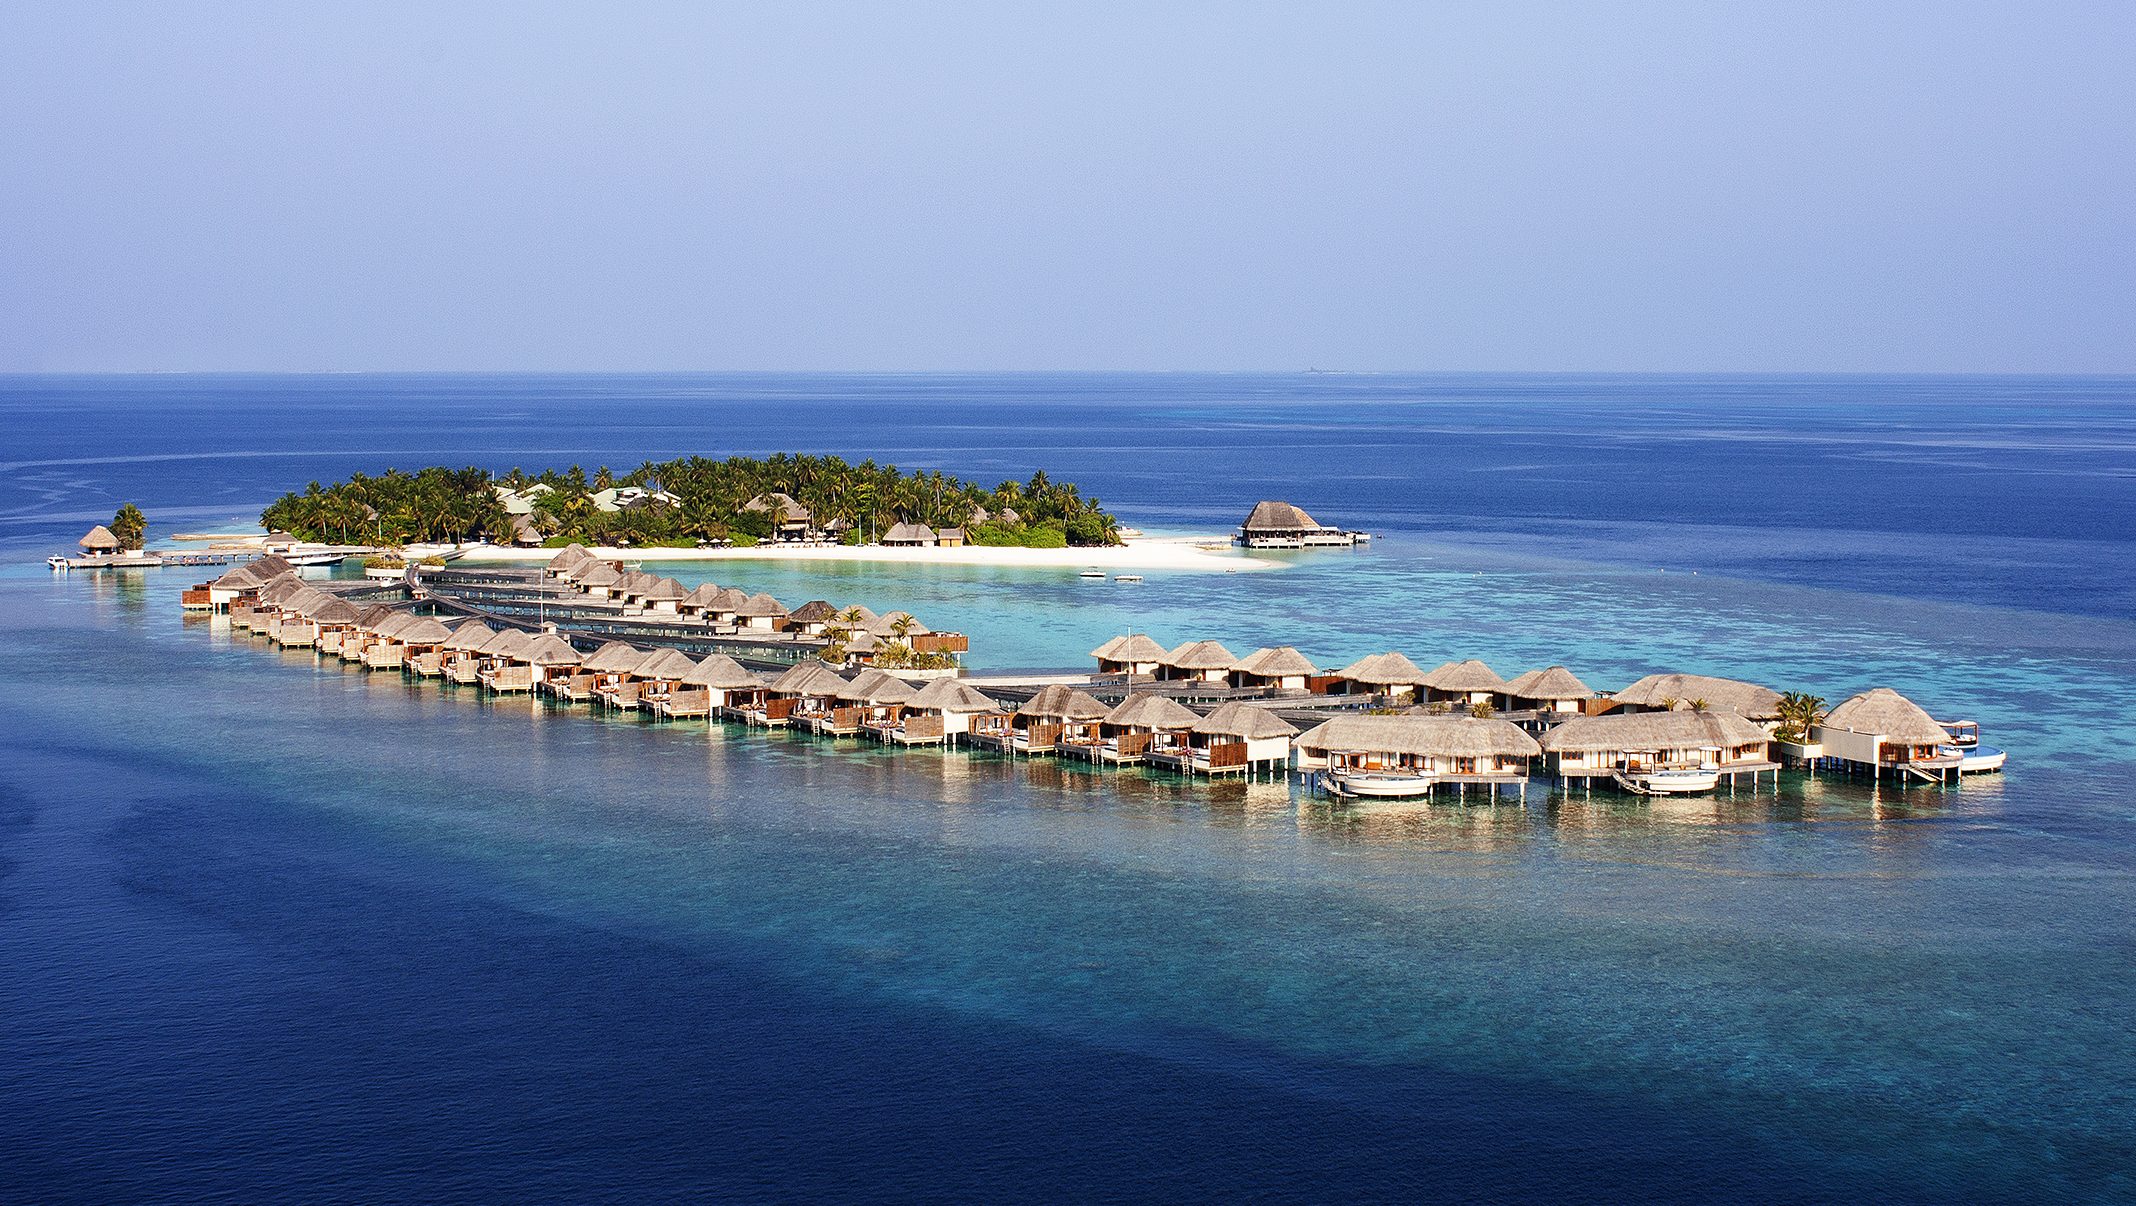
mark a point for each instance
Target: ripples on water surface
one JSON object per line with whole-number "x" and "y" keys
{"x": 271, "y": 928}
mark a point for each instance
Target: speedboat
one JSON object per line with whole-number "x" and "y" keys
{"x": 1376, "y": 785}
{"x": 57, "y": 561}
{"x": 1667, "y": 781}
{"x": 1091, "y": 573}
{"x": 1127, "y": 577}
{"x": 1975, "y": 759}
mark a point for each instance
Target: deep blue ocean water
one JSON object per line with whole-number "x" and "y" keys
{"x": 273, "y": 929}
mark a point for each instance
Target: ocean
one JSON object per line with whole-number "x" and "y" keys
{"x": 274, "y": 929}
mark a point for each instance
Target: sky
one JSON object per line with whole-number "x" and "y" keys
{"x": 1454, "y": 186}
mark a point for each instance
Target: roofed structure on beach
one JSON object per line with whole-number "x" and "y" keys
{"x": 790, "y": 520}
{"x": 1059, "y": 701}
{"x": 721, "y": 673}
{"x": 1665, "y": 691}
{"x": 1639, "y": 731}
{"x": 951, "y": 695}
{"x": 1271, "y": 515}
{"x": 615, "y": 657}
{"x": 1143, "y": 710}
{"x": 1464, "y": 680}
{"x": 1421, "y": 736}
{"x": 1244, "y": 721}
{"x": 1389, "y": 673}
{"x": 1551, "y": 688}
{"x": 1885, "y": 713}
{"x": 100, "y": 540}
{"x": 910, "y": 534}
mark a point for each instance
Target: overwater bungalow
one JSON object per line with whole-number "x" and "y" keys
{"x": 631, "y": 588}
{"x": 600, "y": 580}
{"x": 1237, "y": 738}
{"x": 804, "y": 690}
{"x": 360, "y": 636}
{"x": 384, "y": 651}
{"x": 1274, "y": 524}
{"x": 1383, "y": 757}
{"x": 937, "y": 714}
{"x": 760, "y": 613}
{"x": 1279, "y": 669}
{"x": 875, "y": 699}
{"x": 698, "y": 603}
{"x": 1123, "y": 735}
{"x": 531, "y": 663}
{"x": 1132, "y": 656}
{"x": 571, "y": 558}
{"x": 1663, "y": 692}
{"x": 496, "y": 652}
{"x": 1198, "y": 662}
{"x": 1388, "y": 675}
{"x": 1469, "y": 682}
{"x": 423, "y": 646}
{"x": 597, "y": 671}
{"x": 1036, "y": 727}
{"x": 1659, "y": 753}
{"x": 460, "y": 650}
{"x": 652, "y": 677}
{"x": 704, "y": 690}
{"x": 1882, "y": 733}
{"x": 336, "y": 620}
{"x": 721, "y": 608}
{"x": 1553, "y": 689}
{"x": 663, "y": 597}
{"x": 812, "y": 617}
{"x": 240, "y": 582}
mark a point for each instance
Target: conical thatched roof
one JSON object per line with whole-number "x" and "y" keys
{"x": 727, "y": 598}
{"x": 546, "y": 649}
{"x": 703, "y": 595}
{"x": 909, "y": 531}
{"x": 758, "y": 606}
{"x": 637, "y": 582}
{"x": 1062, "y": 702}
{"x": 1885, "y": 713}
{"x": 507, "y": 642}
{"x": 665, "y": 590}
{"x": 392, "y": 626}
{"x": 722, "y": 673}
{"x": 339, "y": 612}
{"x": 863, "y": 641}
{"x": 304, "y": 600}
{"x": 241, "y": 578}
{"x": 664, "y": 663}
{"x": 427, "y": 630}
{"x": 881, "y": 687}
{"x": 1652, "y": 731}
{"x": 884, "y": 625}
{"x": 1384, "y": 670}
{"x": 1271, "y": 515}
{"x": 615, "y": 657}
{"x": 1245, "y": 721}
{"x": 815, "y": 611}
{"x": 950, "y": 695}
{"x": 1283, "y": 661}
{"x": 809, "y": 678}
{"x": 1470, "y": 675}
{"x": 373, "y": 614}
{"x": 1554, "y": 682}
{"x": 1748, "y": 699}
{"x": 100, "y": 540}
{"x": 570, "y": 558}
{"x": 1132, "y": 648}
{"x": 1201, "y": 655}
{"x": 600, "y": 574}
{"x": 272, "y": 565}
{"x": 1452, "y": 736}
{"x": 282, "y": 588}
{"x": 469, "y": 637}
{"x": 1142, "y": 710}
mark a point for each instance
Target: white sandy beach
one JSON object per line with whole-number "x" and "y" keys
{"x": 1204, "y": 554}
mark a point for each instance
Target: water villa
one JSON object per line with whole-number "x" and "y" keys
{"x": 1662, "y": 692}
{"x": 1279, "y": 669}
{"x": 1132, "y": 656}
{"x": 650, "y": 678}
{"x": 1882, "y": 733}
{"x": 937, "y": 714}
{"x": 1273, "y": 524}
{"x": 1236, "y": 738}
{"x": 1388, "y": 675}
{"x": 1123, "y": 735}
{"x": 1198, "y": 662}
{"x": 1554, "y": 689}
{"x": 1036, "y": 727}
{"x": 1660, "y": 753}
{"x": 1466, "y": 683}
{"x": 704, "y": 690}
{"x": 1408, "y": 756}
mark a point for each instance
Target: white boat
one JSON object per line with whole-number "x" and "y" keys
{"x": 1376, "y": 785}
{"x": 1667, "y": 781}
{"x": 1091, "y": 573}
{"x": 1127, "y": 577}
{"x": 56, "y": 561}
{"x": 1975, "y": 759}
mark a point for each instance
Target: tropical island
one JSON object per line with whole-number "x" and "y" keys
{"x": 695, "y": 502}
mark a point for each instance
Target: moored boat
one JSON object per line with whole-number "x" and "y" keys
{"x": 1376, "y": 785}
{"x": 1667, "y": 781}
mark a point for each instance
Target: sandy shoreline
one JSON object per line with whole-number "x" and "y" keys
{"x": 1147, "y": 553}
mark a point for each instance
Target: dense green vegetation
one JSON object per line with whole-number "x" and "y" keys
{"x": 683, "y": 502}
{"x": 130, "y": 527}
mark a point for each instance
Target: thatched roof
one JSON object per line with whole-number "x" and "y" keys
{"x": 1283, "y": 661}
{"x": 1885, "y": 713}
{"x": 615, "y": 657}
{"x": 1271, "y": 515}
{"x": 570, "y": 558}
{"x": 100, "y": 538}
{"x": 392, "y": 626}
{"x": 703, "y": 595}
{"x": 1452, "y": 736}
{"x": 1470, "y": 675}
{"x": 1652, "y": 731}
{"x": 507, "y": 642}
{"x": 1062, "y": 702}
{"x": 909, "y": 532}
{"x": 272, "y": 565}
{"x": 600, "y": 574}
{"x": 950, "y": 695}
{"x": 885, "y": 625}
{"x": 305, "y": 600}
{"x": 863, "y": 641}
{"x": 336, "y": 611}
{"x": 1382, "y": 670}
{"x": 637, "y": 582}
{"x": 241, "y": 578}
{"x": 722, "y": 673}
{"x": 373, "y": 614}
{"x": 1243, "y": 720}
{"x": 880, "y": 687}
{"x": 760, "y": 605}
{"x": 1748, "y": 699}
{"x": 664, "y": 590}
{"x": 815, "y": 611}
{"x": 1143, "y": 710}
{"x": 1130, "y": 649}
{"x": 727, "y": 598}
{"x": 283, "y": 588}
{"x": 548, "y": 649}
{"x": 427, "y": 630}
{"x": 809, "y": 678}
{"x": 664, "y": 663}
{"x": 469, "y": 637}
{"x": 780, "y": 502}
{"x": 1201, "y": 655}
{"x": 1554, "y": 682}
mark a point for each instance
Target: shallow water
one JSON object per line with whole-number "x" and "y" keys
{"x": 271, "y": 927}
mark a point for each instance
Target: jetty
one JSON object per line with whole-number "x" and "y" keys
{"x": 583, "y": 631}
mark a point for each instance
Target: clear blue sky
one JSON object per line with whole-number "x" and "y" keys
{"x": 1932, "y": 186}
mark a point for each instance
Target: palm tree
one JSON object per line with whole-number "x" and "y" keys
{"x": 1800, "y": 712}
